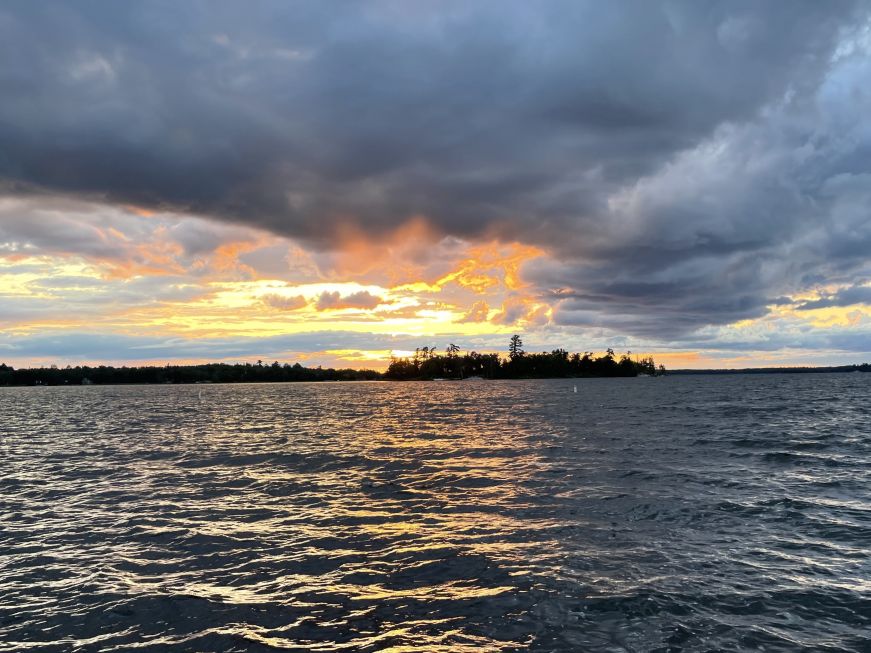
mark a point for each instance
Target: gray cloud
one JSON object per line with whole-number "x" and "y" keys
{"x": 74, "y": 346}
{"x": 296, "y": 116}
{"x": 334, "y": 300}
{"x": 845, "y": 297}
{"x": 283, "y": 303}
{"x": 685, "y": 163}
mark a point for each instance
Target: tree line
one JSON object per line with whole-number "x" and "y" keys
{"x": 207, "y": 373}
{"x": 428, "y": 363}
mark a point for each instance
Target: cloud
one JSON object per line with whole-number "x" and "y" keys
{"x": 478, "y": 312}
{"x": 724, "y": 231}
{"x": 72, "y": 346}
{"x": 512, "y": 311}
{"x": 521, "y": 310}
{"x": 334, "y": 300}
{"x": 125, "y": 242}
{"x": 480, "y": 116}
{"x": 284, "y": 303}
{"x": 843, "y": 297}
{"x": 680, "y": 166}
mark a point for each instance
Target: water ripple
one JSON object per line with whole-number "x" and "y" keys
{"x": 675, "y": 514}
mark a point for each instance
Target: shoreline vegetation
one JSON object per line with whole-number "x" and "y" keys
{"x": 426, "y": 364}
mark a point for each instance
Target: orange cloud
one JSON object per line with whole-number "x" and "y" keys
{"x": 138, "y": 210}
{"x": 492, "y": 264}
{"x": 409, "y": 248}
{"x": 156, "y": 258}
{"x": 523, "y": 310}
{"x": 226, "y": 256}
{"x": 478, "y": 312}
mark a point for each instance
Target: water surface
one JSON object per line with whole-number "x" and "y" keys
{"x": 679, "y": 513}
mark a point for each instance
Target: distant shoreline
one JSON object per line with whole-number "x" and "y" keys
{"x": 831, "y": 369}
{"x": 48, "y": 377}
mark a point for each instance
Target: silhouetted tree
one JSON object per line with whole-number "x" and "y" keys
{"x": 515, "y": 347}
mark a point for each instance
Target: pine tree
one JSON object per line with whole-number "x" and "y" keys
{"x": 515, "y": 347}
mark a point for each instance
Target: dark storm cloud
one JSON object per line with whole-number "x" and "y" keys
{"x": 295, "y": 115}
{"x": 686, "y": 163}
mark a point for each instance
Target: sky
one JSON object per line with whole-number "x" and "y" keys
{"x": 335, "y": 183}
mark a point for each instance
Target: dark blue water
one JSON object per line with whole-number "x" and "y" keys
{"x": 670, "y": 514}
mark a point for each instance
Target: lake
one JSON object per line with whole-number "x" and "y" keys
{"x": 696, "y": 513}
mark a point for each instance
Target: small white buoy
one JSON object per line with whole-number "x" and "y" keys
{"x": 576, "y": 389}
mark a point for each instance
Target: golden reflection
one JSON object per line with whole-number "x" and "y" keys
{"x": 389, "y": 510}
